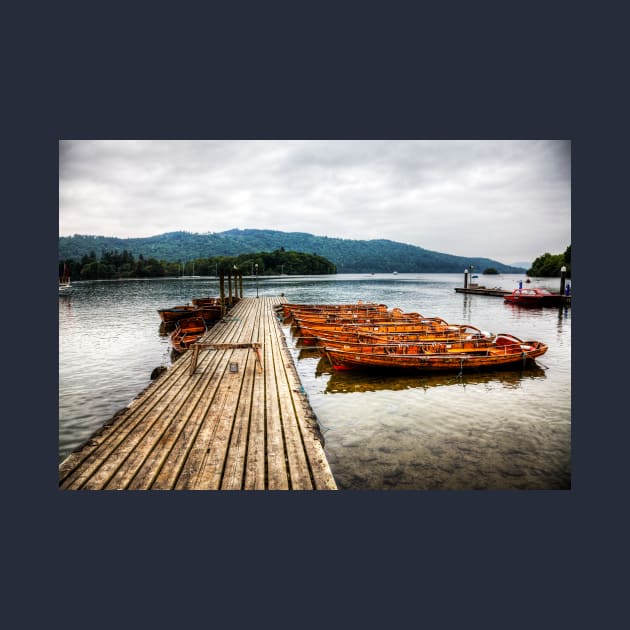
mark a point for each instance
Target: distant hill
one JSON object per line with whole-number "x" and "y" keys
{"x": 350, "y": 256}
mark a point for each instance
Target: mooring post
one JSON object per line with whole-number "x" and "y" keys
{"x": 240, "y": 281}
{"x": 563, "y": 277}
{"x": 222, "y": 292}
{"x": 465, "y": 278}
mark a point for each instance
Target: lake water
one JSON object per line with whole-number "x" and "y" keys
{"x": 500, "y": 430}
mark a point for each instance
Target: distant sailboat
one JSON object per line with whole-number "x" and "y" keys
{"x": 193, "y": 272}
{"x": 64, "y": 282}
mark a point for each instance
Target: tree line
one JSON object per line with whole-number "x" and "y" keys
{"x": 117, "y": 265}
{"x": 548, "y": 265}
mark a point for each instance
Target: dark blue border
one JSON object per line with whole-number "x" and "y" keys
{"x": 375, "y": 558}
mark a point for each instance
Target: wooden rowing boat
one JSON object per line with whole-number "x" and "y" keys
{"x": 444, "y": 356}
{"x": 188, "y": 331}
{"x": 414, "y": 319}
{"x": 453, "y": 334}
{"x": 324, "y": 316}
{"x": 288, "y": 309}
{"x": 435, "y": 325}
{"x": 176, "y": 313}
{"x": 206, "y": 301}
{"x": 353, "y": 315}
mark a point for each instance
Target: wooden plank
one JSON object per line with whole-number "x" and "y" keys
{"x": 211, "y": 473}
{"x": 296, "y": 458}
{"x": 161, "y": 465}
{"x": 219, "y": 406}
{"x": 179, "y": 470}
{"x": 308, "y": 426}
{"x": 222, "y": 417}
{"x": 255, "y": 466}
{"x": 236, "y": 461}
{"x": 277, "y": 473}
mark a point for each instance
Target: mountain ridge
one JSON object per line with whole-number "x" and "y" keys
{"x": 349, "y": 255}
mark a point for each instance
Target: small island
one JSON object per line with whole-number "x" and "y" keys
{"x": 114, "y": 265}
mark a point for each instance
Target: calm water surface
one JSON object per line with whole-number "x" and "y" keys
{"x": 494, "y": 430}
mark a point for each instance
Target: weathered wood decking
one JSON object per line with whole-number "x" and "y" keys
{"x": 482, "y": 291}
{"x": 222, "y": 426}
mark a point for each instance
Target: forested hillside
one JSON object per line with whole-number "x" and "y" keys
{"x": 349, "y": 256}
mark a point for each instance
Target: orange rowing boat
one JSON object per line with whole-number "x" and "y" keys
{"x": 443, "y": 356}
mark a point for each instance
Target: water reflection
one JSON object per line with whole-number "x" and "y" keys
{"x": 466, "y": 307}
{"x": 308, "y": 353}
{"x": 563, "y": 314}
{"x": 350, "y": 381}
{"x": 166, "y": 328}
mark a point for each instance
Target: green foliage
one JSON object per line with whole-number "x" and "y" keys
{"x": 548, "y": 265}
{"x": 113, "y": 264}
{"x": 348, "y": 256}
{"x": 490, "y": 271}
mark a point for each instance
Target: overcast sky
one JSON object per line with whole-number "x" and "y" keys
{"x": 505, "y": 200}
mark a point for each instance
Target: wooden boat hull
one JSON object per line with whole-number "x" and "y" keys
{"x": 536, "y": 298}
{"x": 207, "y": 301}
{"x": 506, "y": 350}
{"x": 188, "y": 331}
{"x": 436, "y": 327}
{"x": 177, "y": 313}
{"x": 358, "y": 316}
{"x": 288, "y": 309}
{"x": 423, "y": 345}
{"x": 210, "y": 313}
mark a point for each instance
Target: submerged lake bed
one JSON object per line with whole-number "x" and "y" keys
{"x": 502, "y": 430}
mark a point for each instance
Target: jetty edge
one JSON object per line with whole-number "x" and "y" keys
{"x": 232, "y": 415}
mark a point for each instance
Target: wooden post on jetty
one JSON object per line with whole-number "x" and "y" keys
{"x": 230, "y": 286}
{"x": 240, "y": 281}
{"x": 563, "y": 277}
{"x": 222, "y": 292}
{"x": 465, "y": 278}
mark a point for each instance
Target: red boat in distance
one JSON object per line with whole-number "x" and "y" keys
{"x": 533, "y": 297}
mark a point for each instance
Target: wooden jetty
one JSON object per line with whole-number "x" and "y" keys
{"x": 230, "y": 414}
{"x": 475, "y": 290}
